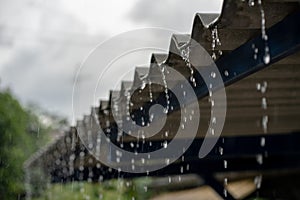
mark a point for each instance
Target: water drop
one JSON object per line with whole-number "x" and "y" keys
{"x": 226, "y": 73}
{"x": 267, "y": 58}
{"x": 185, "y": 54}
{"x": 264, "y": 103}
{"x": 213, "y": 74}
{"x": 165, "y": 144}
{"x": 182, "y": 126}
{"x": 262, "y": 141}
{"x": 167, "y": 161}
{"x": 162, "y": 68}
{"x": 265, "y": 121}
{"x": 150, "y": 90}
{"x": 143, "y": 86}
{"x": 225, "y": 164}
{"x": 214, "y": 120}
{"x": 166, "y": 133}
{"x": 225, "y": 181}
{"x": 259, "y": 159}
{"x": 225, "y": 192}
{"x": 258, "y": 86}
{"x": 264, "y": 88}
{"x": 131, "y": 144}
{"x": 145, "y": 188}
{"x": 187, "y": 167}
{"x": 257, "y": 181}
{"x": 214, "y": 56}
{"x": 212, "y": 103}
{"x": 251, "y": 3}
{"x": 221, "y": 151}
{"x": 215, "y": 42}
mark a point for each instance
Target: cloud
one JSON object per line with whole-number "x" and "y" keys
{"x": 172, "y": 14}
{"x": 40, "y": 65}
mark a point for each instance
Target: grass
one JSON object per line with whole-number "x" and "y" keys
{"x": 110, "y": 190}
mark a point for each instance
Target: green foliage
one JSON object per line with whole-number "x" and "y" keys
{"x": 20, "y": 135}
{"x": 114, "y": 189}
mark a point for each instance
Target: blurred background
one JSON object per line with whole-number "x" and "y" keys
{"x": 42, "y": 44}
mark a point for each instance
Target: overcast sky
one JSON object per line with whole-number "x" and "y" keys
{"x": 43, "y": 42}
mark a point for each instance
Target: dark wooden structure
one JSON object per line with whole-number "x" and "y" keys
{"x": 239, "y": 28}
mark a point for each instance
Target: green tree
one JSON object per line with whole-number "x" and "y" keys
{"x": 20, "y": 135}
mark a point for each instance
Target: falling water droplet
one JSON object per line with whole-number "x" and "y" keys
{"x": 221, "y": 151}
{"x": 185, "y": 54}
{"x": 225, "y": 192}
{"x": 264, "y": 87}
{"x": 257, "y": 181}
{"x": 162, "y": 68}
{"x": 131, "y": 145}
{"x": 251, "y": 3}
{"x": 165, "y": 144}
{"x": 226, "y": 73}
{"x": 265, "y": 121}
{"x": 259, "y": 159}
{"x": 258, "y": 86}
{"x": 212, "y": 103}
{"x": 214, "y": 120}
{"x": 167, "y": 161}
{"x": 225, "y": 164}
{"x": 264, "y": 103}
{"x": 267, "y": 58}
{"x": 262, "y": 141}
{"x": 182, "y": 126}
{"x": 225, "y": 181}
{"x": 143, "y": 86}
{"x": 214, "y": 56}
{"x": 150, "y": 90}
{"x": 167, "y": 133}
{"x": 213, "y": 74}
{"x": 215, "y": 42}
{"x": 179, "y": 178}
